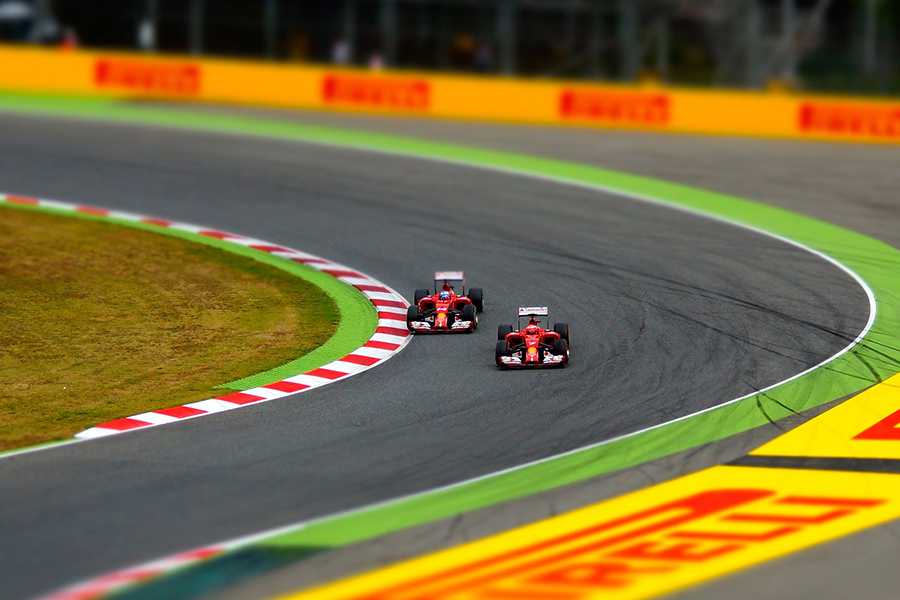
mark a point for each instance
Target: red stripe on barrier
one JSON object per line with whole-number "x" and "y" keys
{"x": 286, "y": 386}
{"x": 391, "y": 316}
{"x": 266, "y": 248}
{"x": 372, "y": 288}
{"x": 89, "y": 210}
{"x": 393, "y": 331}
{"x": 23, "y": 200}
{"x": 309, "y": 260}
{"x": 357, "y": 359}
{"x": 382, "y": 345}
{"x": 129, "y": 576}
{"x": 123, "y": 424}
{"x": 159, "y": 222}
{"x": 200, "y": 554}
{"x": 240, "y": 398}
{"x": 180, "y": 412}
{"x": 388, "y": 303}
{"x": 340, "y": 273}
{"x": 326, "y": 373}
{"x": 219, "y": 235}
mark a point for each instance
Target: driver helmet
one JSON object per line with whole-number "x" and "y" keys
{"x": 445, "y": 295}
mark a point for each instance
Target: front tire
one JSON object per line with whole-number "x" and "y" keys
{"x": 561, "y": 348}
{"x": 412, "y": 314}
{"x": 563, "y": 330}
{"x": 469, "y": 314}
{"x": 476, "y": 295}
{"x": 502, "y": 350}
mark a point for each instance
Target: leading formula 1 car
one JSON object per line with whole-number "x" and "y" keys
{"x": 445, "y": 310}
{"x": 532, "y": 345}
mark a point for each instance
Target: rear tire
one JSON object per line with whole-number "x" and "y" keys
{"x": 412, "y": 314}
{"x": 420, "y": 293}
{"x": 561, "y": 348}
{"x": 476, "y": 295}
{"x": 502, "y": 350}
{"x": 562, "y": 329}
{"x": 503, "y": 331}
{"x": 469, "y": 314}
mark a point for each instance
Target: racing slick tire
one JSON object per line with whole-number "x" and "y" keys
{"x": 502, "y": 350}
{"x": 503, "y": 331}
{"x": 562, "y": 329}
{"x": 469, "y": 314}
{"x": 420, "y": 293}
{"x": 561, "y": 347}
{"x": 476, "y": 295}
{"x": 412, "y": 314}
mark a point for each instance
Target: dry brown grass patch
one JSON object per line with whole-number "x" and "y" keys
{"x": 101, "y": 321}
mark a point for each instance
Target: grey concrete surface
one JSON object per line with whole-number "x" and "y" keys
{"x": 670, "y": 313}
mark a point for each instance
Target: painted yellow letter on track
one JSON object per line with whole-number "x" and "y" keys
{"x": 646, "y": 543}
{"x": 866, "y": 426}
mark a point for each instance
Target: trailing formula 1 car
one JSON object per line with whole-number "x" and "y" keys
{"x": 445, "y": 310}
{"x": 532, "y": 345}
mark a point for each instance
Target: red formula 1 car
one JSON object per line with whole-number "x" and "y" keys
{"x": 532, "y": 346}
{"x": 445, "y": 310}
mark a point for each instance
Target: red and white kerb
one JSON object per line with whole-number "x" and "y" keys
{"x": 107, "y": 584}
{"x": 390, "y": 335}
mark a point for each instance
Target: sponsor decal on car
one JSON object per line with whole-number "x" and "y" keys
{"x": 376, "y": 92}
{"x": 148, "y": 77}
{"x": 617, "y": 108}
{"x": 536, "y": 311}
{"x": 850, "y": 119}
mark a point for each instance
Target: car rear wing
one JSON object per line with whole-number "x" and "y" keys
{"x": 449, "y": 276}
{"x": 533, "y": 311}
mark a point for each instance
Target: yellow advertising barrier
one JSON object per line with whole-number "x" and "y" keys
{"x": 117, "y": 75}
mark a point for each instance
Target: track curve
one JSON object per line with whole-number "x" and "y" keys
{"x": 670, "y": 313}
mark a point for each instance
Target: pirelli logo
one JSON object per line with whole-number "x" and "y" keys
{"x": 610, "y": 557}
{"x": 376, "y": 92}
{"x": 849, "y": 119}
{"x": 618, "y": 108}
{"x": 148, "y": 77}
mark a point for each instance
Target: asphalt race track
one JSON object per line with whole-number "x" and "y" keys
{"x": 670, "y": 313}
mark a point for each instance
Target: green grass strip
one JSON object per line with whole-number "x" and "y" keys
{"x": 358, "y": 316}
{"x": 874, "y": 359}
